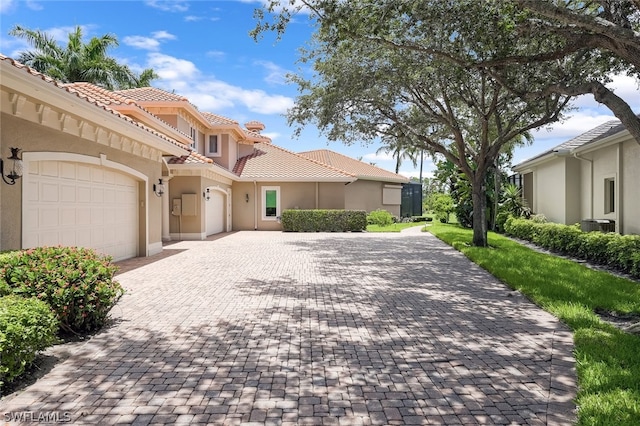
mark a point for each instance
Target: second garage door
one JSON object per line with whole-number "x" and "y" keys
{"x": 215, "y": 213}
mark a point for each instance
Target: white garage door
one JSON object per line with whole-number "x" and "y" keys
{"x": 215, "y": 212}
{"x": 75, "y": 204}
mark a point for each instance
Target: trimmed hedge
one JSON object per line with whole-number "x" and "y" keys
{"x": 324, "y": 220}
{"x": 26, "y": 327}
{"x": 380, "y": 217}
{"x": 76, "y": 282}
{"x": 621, "y": 252}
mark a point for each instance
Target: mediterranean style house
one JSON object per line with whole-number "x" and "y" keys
{"x": 592, "y": 177}
{"x": 123, "y": 171}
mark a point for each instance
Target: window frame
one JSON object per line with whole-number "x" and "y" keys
{"x": 263, "y": 209}
{"x": 609, "y": 195}
{"x": 210, "y": 153}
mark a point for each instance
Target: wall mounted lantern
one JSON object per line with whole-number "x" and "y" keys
{"x": 14, "y": 165}
{"x": 158, "y": 188}
{"x": 205, "y": 195}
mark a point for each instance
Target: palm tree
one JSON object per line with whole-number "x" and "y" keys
{"x": 79, "y": 61}
{"x": 400, "y": 148}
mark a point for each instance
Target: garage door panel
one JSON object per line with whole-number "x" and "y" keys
{"x": 215, "y": 213}
{"x": 75, "y": 204}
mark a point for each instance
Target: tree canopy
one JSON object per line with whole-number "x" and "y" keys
{"x": 79, "y": 61}
{"x": 389, "y": 68}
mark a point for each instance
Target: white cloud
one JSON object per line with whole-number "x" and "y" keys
{"x": 141, "y": 42}
{"x": 168, "y": 5}
{"x": 209, "y": 93}
{"x": 172, "y": 69}
{"x": 148, "y": 43}
{"x": 276, "y": 75}
{"x": 33, "y": 5}
{"x": 382, "y": 156}
{"x": 6, "y": 5}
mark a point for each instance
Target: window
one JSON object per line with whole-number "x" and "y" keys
{"x": 194, "y": 138}
{"x": 213, "y": 147}
{"x": 609, "y": 195}
{"x": 270, "y": 202}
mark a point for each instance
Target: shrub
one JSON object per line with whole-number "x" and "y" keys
{"x": 593, "y": 246}
{"x": 538, "y": 218}
{"x": 380, "y": 217}
{"x": 623, "y": 252}
{"x": 26, "y": 327}
{"x": 501, "y": 219}
{"x": 324, "y": 220}
{"x": 76, "y": 282}
{"x": 558, "y": 238}
{"x": 521, "y": 228}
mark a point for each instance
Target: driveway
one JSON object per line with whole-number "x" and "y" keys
{"x": 286, "y": 328}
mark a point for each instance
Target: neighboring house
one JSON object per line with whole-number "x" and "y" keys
{"x": 593, "y": 176}
{"x": 375, "y": 188}
{"x": 123, "y": 171}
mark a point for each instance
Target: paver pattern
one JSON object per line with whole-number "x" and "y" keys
{"x": 320, "y": 329}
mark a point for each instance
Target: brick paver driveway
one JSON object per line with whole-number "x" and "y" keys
{"x": 279, "y": 328}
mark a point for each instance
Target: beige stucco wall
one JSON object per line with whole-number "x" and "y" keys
{"x": 550, "y": 191}
{"x": 528, "y": 189}
{"x": 186, "y": 224}
{"x": 604, "y": 167}
{"x": 367, "y": 195}
{"x": 630, "y": 200}
{"x": 30, "y": 137}
{"x": 573, "y": 197}
{"x": 293, "y": 195}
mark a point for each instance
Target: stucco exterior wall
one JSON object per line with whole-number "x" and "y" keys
{"x": 186, "y": 226}
{"x": 604, "y": 167}
{"x": 550, "y": 190}
{"x": 573, "y": 196}
{"x": 630, "y": 199}
{"x": 367, "y": 195}
{"x": 34, "y": 138}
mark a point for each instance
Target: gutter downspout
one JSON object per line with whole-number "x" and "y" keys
{"x": 575, "y": 155}
{"x": 317, "y": 193}
{"x": 255, "y": 205}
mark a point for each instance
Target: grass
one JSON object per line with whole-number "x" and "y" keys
{"x": 607, "y": 359}
{"x": 394, "y": 227}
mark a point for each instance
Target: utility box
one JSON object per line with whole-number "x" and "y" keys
{"x": 189, "y": 204}
{"x": 600, "y": 225}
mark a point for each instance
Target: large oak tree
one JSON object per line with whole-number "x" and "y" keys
{"x": 408, "y": 68}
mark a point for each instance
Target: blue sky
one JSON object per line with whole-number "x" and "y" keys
{"x": 202, "y": 50}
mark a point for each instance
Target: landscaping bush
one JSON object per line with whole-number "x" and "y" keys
{"x": 501, "y": 219}
{"x": 621, "y": 252}
{"x": 26, "y": 327}
{"x": 380, "y": 217}
{"x": 76, "y": 282}
{"x": 324, "y": 220}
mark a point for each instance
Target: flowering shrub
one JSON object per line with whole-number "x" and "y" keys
{"x": 76, "y": 282}
{"x": 26, "y": 327}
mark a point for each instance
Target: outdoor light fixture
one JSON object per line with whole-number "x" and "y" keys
{"x": 158, "y": 188}
{"x": 246, "y": 197}
{"x": 15, "y": 167}
{"x": 205, "y": 195}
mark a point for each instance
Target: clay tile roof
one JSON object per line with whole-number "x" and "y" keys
{"x": 350, "y": 165}
{"x": 93, "y": 94}
{"x": 151, "y": 94}
{"x": 270, "y": 162}
{"x": 216, "y": 119}
{"x": 191, "y": 158}
{"x": 255, "y": 136}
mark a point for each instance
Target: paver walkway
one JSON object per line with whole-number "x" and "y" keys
{"x": 284, "y": 328}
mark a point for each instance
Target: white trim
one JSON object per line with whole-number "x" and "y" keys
{"x": 263, "y": 206}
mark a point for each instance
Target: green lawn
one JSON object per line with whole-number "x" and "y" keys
{"x": 607, "y": 359}
{"x": 394, "y": 227}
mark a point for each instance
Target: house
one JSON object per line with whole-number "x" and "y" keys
{"x": 123, "y": 171}
{"x": 594, "y": 176}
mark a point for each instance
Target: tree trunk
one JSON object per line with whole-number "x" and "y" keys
{"x": 497, "y": 181}
{"x": 479, "y": 199}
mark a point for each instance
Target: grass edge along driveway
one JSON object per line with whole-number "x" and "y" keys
{"x": 607, "y": 359}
